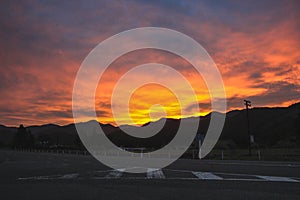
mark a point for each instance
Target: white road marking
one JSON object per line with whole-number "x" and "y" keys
{"x": 107, "y": 170}
{"x": 207, "y": 176}
{"x": 158, "y": 174}
{"x": 250, "y": 163}
{"x": 51, "y": 177}
{"x": 155, "y": 173}
{"x": 236, "y": 174}
{"x": 276, "y": 178}
{"x": 69, "y": 176}
{"x": 40, "y": 177}
{"x": 115, "y": 173}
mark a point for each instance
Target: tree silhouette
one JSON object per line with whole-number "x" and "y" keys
{"x": 23, "y": 138}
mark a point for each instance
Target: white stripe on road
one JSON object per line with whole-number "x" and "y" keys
{"x": 207, "y": 176}
{"x": 51, "y": 177}
{"x": 276, "y": 178}
{"x": 115, "y": 173}
{"x": 38, "y": 178}
{"x": 250, "y": 163}
{"x": 155, "y": 173}
{"x": 69, "y": 176}
{"x": 158, "y": 174}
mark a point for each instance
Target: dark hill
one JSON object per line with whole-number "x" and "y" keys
{"x": 272, "y": 127}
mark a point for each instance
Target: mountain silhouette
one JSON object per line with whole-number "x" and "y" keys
{"x": 272, "y": 127}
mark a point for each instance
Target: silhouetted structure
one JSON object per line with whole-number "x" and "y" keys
{"x": 251, "y": 138}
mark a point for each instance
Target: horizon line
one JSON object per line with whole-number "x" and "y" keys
{"x": 140, "y": 125}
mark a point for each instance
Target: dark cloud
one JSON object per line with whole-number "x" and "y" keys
{"x": 202, "y": 106}
{"x": 277, "y": 93}
{"x": 104, "y": 105}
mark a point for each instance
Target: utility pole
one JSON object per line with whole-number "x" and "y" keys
{"x": 248, "y": 104}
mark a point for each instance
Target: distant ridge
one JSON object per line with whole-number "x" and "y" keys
{"x": 275, "y": 126}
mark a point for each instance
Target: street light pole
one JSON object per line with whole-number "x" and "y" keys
{"x": 248, "y": 104}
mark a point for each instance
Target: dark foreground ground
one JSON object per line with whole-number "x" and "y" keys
{"x": 63, "y": 176}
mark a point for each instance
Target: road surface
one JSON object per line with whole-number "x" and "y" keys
{"x": 27, "y": 175}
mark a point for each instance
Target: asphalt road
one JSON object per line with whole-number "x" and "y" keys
{"x": 64, "y": 176}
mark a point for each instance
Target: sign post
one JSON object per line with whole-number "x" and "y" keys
{"x": 199, "y": 140}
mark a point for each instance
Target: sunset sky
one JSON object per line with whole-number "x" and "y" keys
{"x": 255, "y": 45}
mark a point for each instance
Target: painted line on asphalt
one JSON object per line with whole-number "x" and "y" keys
{"x": 266, "y": 178}
{"x": 115, "y": 173}
{"x": 277, "y": 179}
{"x": 106, "y": 170}
{"x": 178, "y": 170}
{"x": 159, "y": 174}
{"x": 51, "y": 177}
{"x": 235, "y": 174}
{"x": 255, "y": 164}
{"x": 207, "y": 176}
{"x": 40, "y": 177}
{"x": 69, "y": 176}
{"x": 155, "y": 173}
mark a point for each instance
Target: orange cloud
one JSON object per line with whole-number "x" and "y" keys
{"x": 255, "y": 46}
